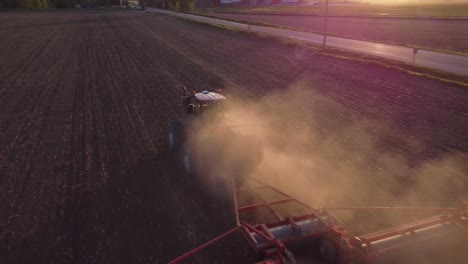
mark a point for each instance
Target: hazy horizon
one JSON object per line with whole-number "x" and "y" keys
{"x": 414, "y": 1}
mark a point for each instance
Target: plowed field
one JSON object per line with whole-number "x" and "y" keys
{"x": 85, "y": 100}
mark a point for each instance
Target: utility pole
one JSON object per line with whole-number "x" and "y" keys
{"x": 325, "y": 26}
{"x": 250, "y": 12}
{"x": 250, "y": 18}
{"x": 415, "y": 51}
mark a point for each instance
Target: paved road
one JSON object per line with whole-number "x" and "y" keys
{"x": 437, "y": 60}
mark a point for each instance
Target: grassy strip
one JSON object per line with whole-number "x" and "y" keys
{"x": 332, "y": 34}
{"x": 438, "y": 75}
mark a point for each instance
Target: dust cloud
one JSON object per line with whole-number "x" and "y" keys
{"x": 316, "y": 154}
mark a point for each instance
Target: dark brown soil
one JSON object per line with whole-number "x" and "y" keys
{"x": 85, "y": 100}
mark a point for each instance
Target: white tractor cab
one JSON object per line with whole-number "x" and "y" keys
{"x": 205, "y": 105}
{"x": 198, "y": 102}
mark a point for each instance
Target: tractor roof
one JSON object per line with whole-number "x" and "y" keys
{"x": 209, "y": 97}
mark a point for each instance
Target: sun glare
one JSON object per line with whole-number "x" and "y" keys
{"x": 414, "y": 2}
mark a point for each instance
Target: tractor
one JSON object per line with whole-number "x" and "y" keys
{"x": 205, "y": 140}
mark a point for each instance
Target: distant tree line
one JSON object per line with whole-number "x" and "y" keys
{"x": 181, "y": 5}
{"x": 36, "y": 3}
{"x": 54, "y": 3}
{"x": 24, "y": 3}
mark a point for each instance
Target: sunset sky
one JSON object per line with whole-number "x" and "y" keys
{"x": 413, "y": 1}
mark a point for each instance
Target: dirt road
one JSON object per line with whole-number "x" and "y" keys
{"x": 85, "y": 100}
{"x": 437, "y": 34}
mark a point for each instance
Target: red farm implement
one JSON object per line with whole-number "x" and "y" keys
{"x": 281, "y": 229}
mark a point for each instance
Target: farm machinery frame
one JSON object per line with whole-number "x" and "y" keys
{"x": 320, "y": 235}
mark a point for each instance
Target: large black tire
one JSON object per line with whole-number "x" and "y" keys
{"x": 175, "y": 136}
{"x": 328, "y": 251}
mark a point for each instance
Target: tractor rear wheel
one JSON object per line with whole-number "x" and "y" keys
{"x": 175, "y": 135}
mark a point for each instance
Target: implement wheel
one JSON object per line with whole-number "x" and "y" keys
{"x": 328, "y": 251}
